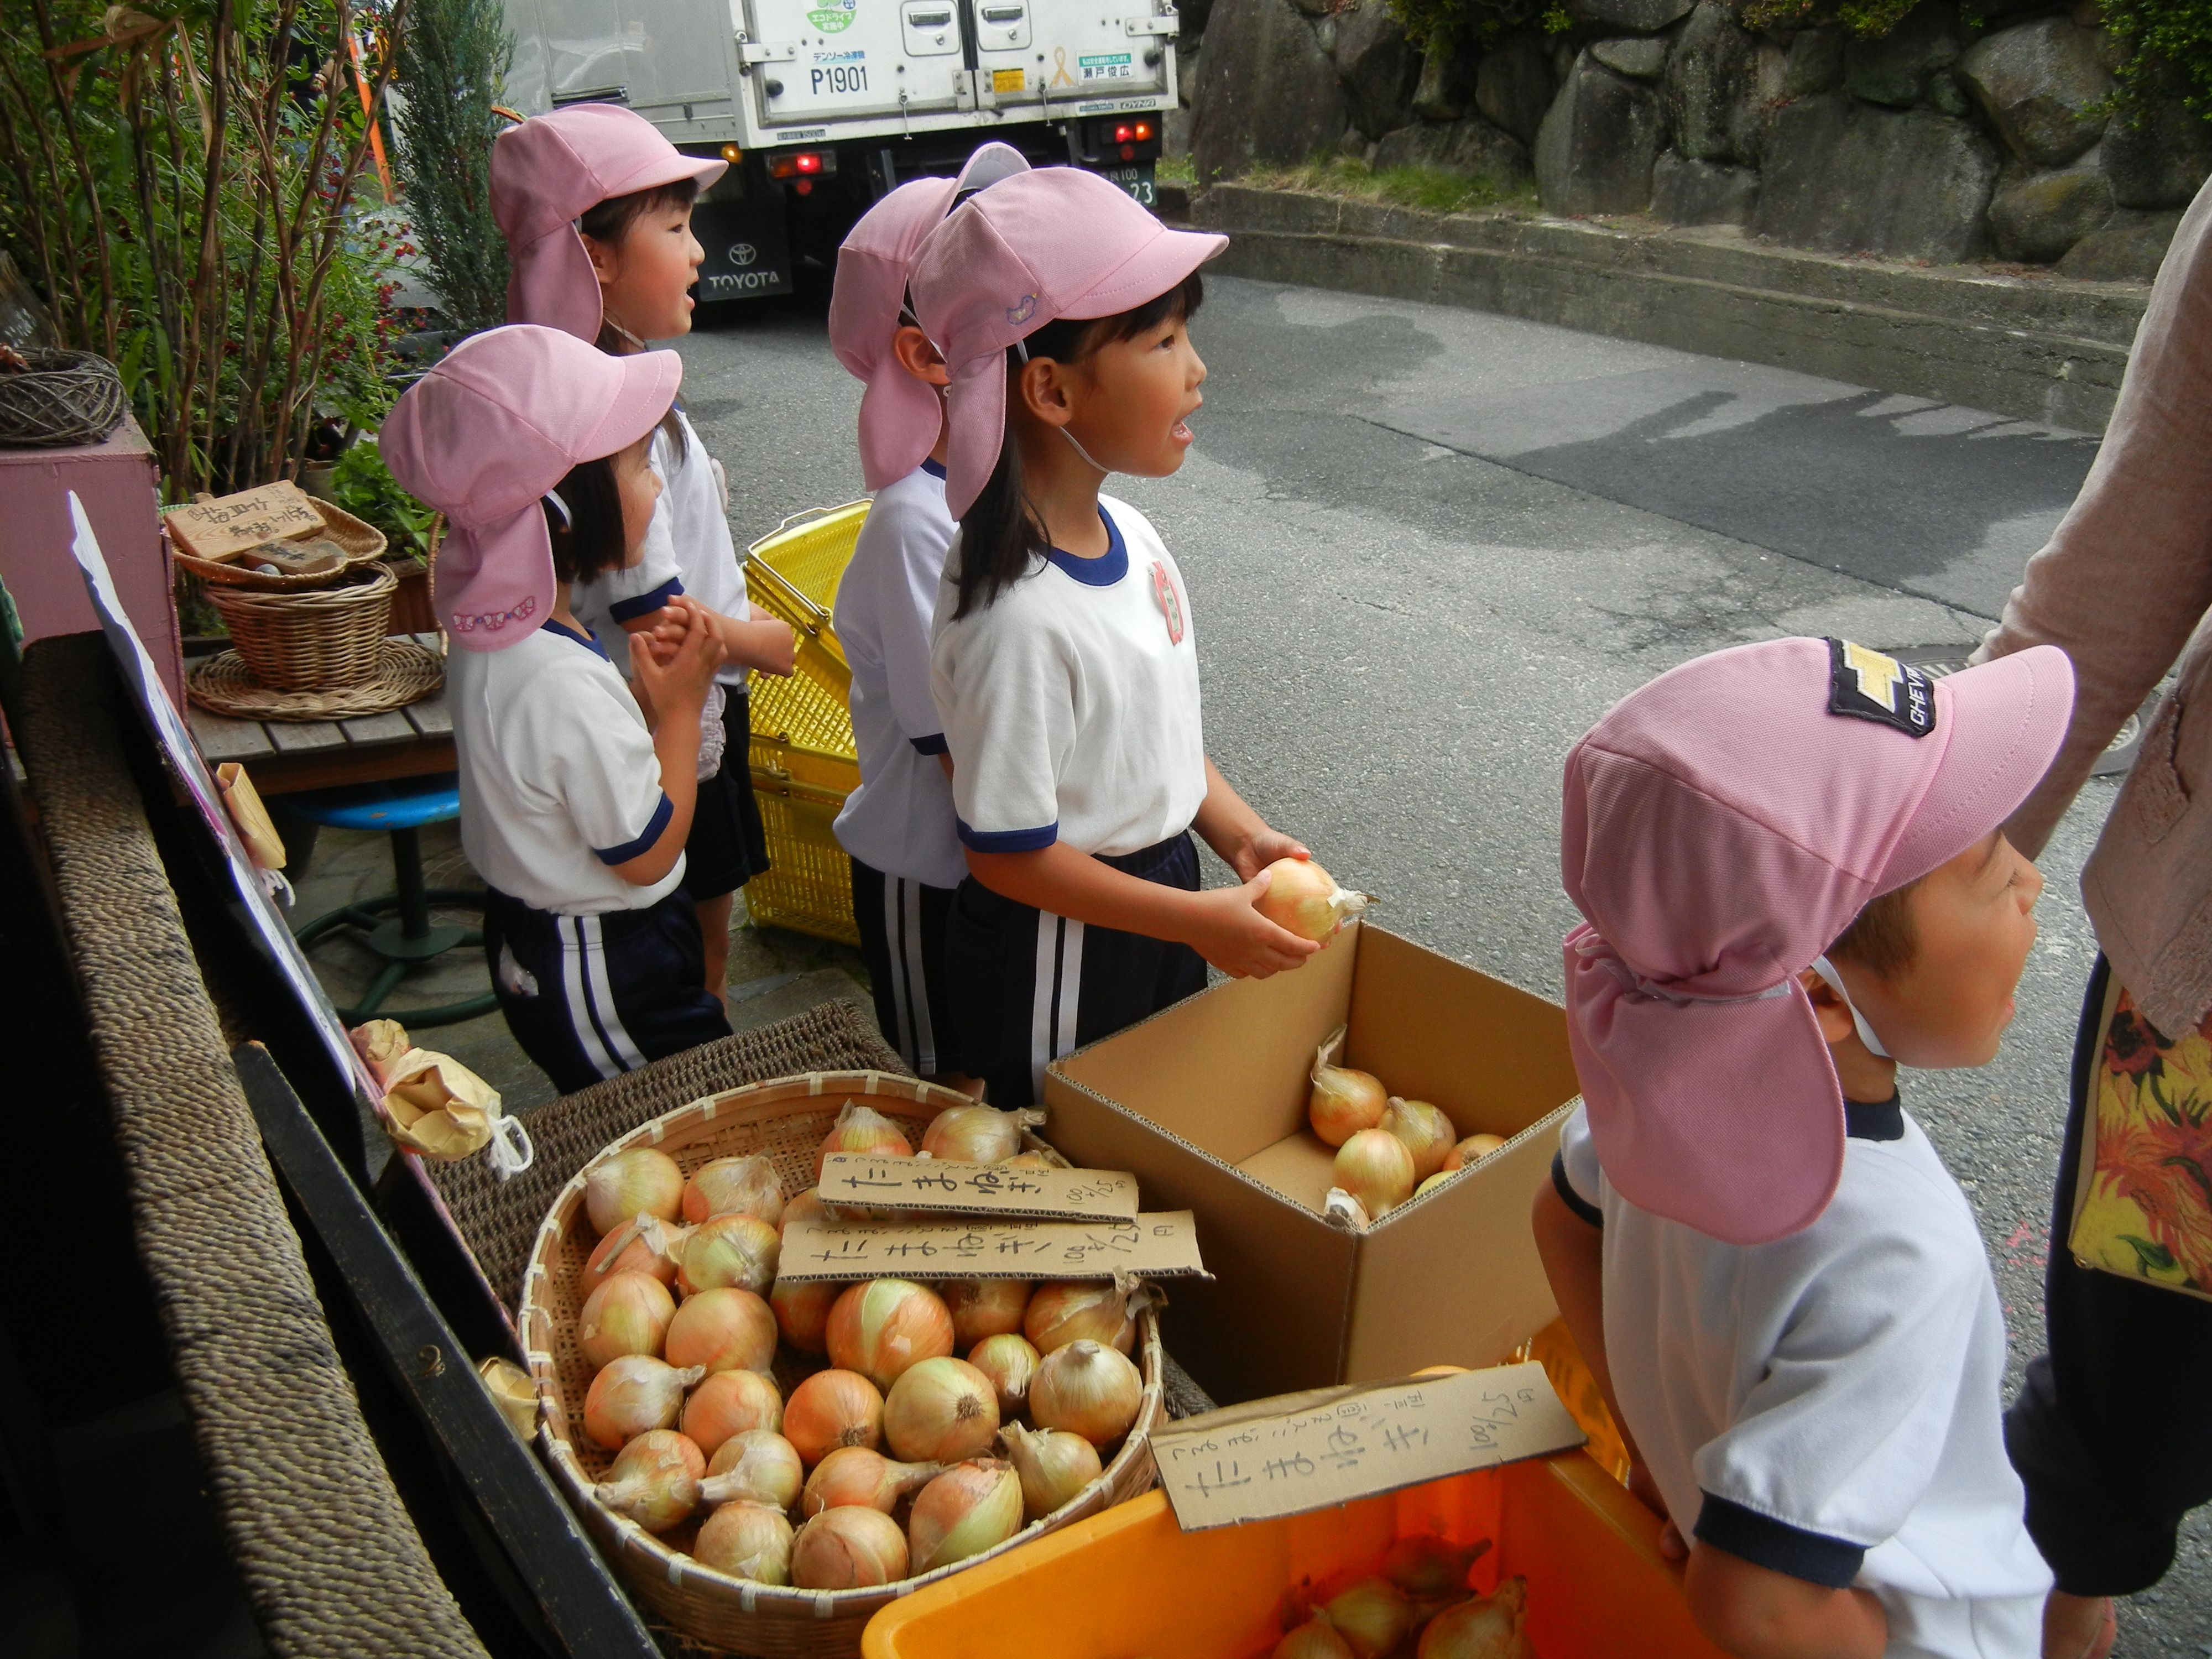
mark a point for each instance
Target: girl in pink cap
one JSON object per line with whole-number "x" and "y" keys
{"x": 577, "y": 793}
{"x": 596, "y": 206}
{"x": 1063, "y": 661}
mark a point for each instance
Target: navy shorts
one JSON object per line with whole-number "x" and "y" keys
{"x": 726, "y": 847}
{"x": 1027, "y": 987}
{"x": 592, "y": 997}
{"x": 903, "y": 940}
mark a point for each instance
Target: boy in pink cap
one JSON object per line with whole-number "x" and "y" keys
{"x": 897, "y": 827}
{"x": 576, "y": 795}
{"x": 1789, "y": 858}
{"x": 596, "y": 207}
{"x": 1063, "y": 661}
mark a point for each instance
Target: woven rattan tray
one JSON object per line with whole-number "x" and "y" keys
{"x": 405, "y": 673}
{"x": 785, "y": 1120}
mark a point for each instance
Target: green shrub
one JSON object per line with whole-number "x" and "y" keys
{"x": 450, "y": 70}
{"x": 364, "y": 486}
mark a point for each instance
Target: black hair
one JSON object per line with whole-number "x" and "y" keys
{"x": 1002, "y": 537}
{"x": 609, "y": 221}
{"x": 590, "y": 541}
{"x": 1882, "y": 937}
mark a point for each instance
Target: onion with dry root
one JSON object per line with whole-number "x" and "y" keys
{"x": 1376, "y": 1168}
{"x": 1372, "y": 1616}
{"x": 831, "y": 1409}
{"x": 1489, "y": 1627}
{"x": 642, "y": 1244}
{"x": 746, "y": 1541}
{"x": 734, "y": 1186}
{"x": 756, "y": 1466}
{"x": 941, "y": 1411}
{"x": 853, "y": 1474}
{"x": 724, "y": 1329}
{"x": 1087, "y": 1389}
{"x": 802, "y": 1311}
{"x": 1427, "y": 1566}
{"x": 977, "y": 1135}
{"x": 1302, "y": 898}
{"x": 1054, "y": 1466}
{"x": 1472, "y": 1150}
{"x": 848, "y": 1548}
{"x": 1428, "y": 1134}
{"x": 864, "y": 1130}
{"x": 730, "y": 1249}
{"x": 1010, "y": 1361}
{"x": 1344, "y": 1100}
{"x": 643, "y": 1180}
{"x": 1079, "y": 1310}
{"x": 880, "y": 1328}
{"x": 632, "y": 1394}
{"x": 984, "y": 1307}
{"x": 1314, "y": 1640}
{"x": 654, "y": 1479}
{"x": 629, "y": 1312}
{"x": 728, "y": 1403}
{"x": 970, "y": 1508}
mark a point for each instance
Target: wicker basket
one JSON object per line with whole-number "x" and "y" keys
{"x": 786, "y": 1121}
{"x": 362, "y": 542}
{"x": 68, "y": 398}
{"x": 324, "y": 640}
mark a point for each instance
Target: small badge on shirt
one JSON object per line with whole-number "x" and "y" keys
{"x": 1163, "y": 590}
{"x": 1869, "y": 686}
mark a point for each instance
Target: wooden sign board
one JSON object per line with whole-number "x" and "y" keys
{"x": 1162, "y": 1246}
{"x": 929, "y": 1183}
{"x": 1316, "y": 1450}
{"x": 228, "y": 525}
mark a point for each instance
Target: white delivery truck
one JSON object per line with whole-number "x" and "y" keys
{"x": 822, "y": 107}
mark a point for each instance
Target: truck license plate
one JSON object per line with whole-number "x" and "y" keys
{"x": 1137, "y": 180}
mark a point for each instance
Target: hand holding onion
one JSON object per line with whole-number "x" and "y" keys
{"x": 1302, "y": 898}
{"x": 1230, "y": 929}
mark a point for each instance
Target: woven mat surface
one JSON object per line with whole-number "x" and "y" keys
{"x": 329, "y": 1556}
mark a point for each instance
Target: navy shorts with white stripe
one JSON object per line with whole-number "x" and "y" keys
{"x": 592, "y": 997}
{"x": 1029, "y": 987}
{"x": 903, "y": 940}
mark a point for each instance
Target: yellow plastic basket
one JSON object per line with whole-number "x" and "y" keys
{"x": 802, "y": 758}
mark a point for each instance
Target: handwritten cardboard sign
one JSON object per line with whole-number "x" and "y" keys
{"x": 1150, "y": 1246}
{"x": 231, "y": 524}
{"x": 928, "y": 1184}
{"x": 1330, "y": 1446}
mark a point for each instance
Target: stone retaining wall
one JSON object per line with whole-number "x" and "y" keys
{"x": 1943, "y": 140}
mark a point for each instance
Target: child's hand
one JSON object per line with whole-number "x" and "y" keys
{"x": 1237, "y": 939}
{"x": 676, "y": 675}
{"x": 764, "y": 643}
{"x": 1264, "y": 847}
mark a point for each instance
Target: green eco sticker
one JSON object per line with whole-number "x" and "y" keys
{"x": 833, "y": 19}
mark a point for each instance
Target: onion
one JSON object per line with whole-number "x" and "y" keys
{"x": 941, "y": 1411}
{"x": 1376, "y": 1168}
{"x": 731, "y": 1249}
{"x": 631, "y": 1395}
{"x": 1025, "y": 1161}
{"x": 984, "y": 1307}
{"x": 1010, "y": 1361}
{"x": 628, "y": 1314}
{"x": 853, "y": 1474}
{"x": 1054, "y": 1465}
{"x": 643, "y": 1180}
{"x": 1081, "y": 1309}
{"x": 968, "y": 1509}
{"x": 756, "y": 1466}
{"x": 1424, "y": 1565}
{"x": 864, "y": 1130}
{"x": 1472, "y": 1150}
{"x": 1314, "y": 1640}
{"x": 1304, "y": 899}
{"x": 848, "y": 1548}
{"x": 1372, "y": 1617}
{"x": 1435, "y": 1181}
{"x": 1487, "y": 1628}
{"x": 885, "y": 1324}
{"x": 977, "y": 1135}
{"x": 728, "y": 1403}
{"x": 654, "y": 1481}
{"x": 642, "y": 1244}
{"x": 807, "y": 1206}
{"x": 831, "y": 1409}
{"x": 734, "y": 1186}
{"x": 802, "y": 1311}
{"x": 1427, "y": 1132}
{"x": 724, "y": 1329}
{"x": 1343, "y": 1101}
{"x": 747, "y": 1540}
{"x": 1086, "y": 1390}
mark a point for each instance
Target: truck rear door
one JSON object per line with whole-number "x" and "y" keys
{"x": 824, "y": 63}
{"x": 1072, "y": 52}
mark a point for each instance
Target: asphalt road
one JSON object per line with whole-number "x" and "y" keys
{"x": 1426, "y": 548}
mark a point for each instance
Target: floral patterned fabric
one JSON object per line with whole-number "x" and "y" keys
{"x": 2143, "y": 1205}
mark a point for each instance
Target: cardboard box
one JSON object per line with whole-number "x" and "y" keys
{"x": 1206, "y": 1103}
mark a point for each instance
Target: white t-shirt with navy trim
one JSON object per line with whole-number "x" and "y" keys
{"x": 1071, "y": 702}
{"x": 900, "y": 820}
{"x": 1827, "y": 1405}
{"x": 559, "y": 781}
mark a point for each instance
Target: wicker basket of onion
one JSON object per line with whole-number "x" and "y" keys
{"x": 768, "y": 1461}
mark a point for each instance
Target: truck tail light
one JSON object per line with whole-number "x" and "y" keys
{"x": 804, "y": 165}
{"x": 1124, "y": 133}
{"x": 1143, "y": 130}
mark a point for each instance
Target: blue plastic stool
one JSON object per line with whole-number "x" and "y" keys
{"x": 404, "y": 938}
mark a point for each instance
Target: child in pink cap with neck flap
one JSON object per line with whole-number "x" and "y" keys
{"x": 596, "y": 207}
{"x": 576, "y": 795}
{"x": 1789, "y": 860}
{"x": 897, "y": 828}
{"x": 1063, "y": 661}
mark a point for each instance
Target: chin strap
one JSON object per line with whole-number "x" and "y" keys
{"x": 1826, "y": 970}
{"x": 1085, "y": 453}
{"x": 624, "y": 332}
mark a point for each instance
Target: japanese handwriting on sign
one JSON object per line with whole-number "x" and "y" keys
{"x": 938, "y": 1184}
{"x": 1223, "y": 1476}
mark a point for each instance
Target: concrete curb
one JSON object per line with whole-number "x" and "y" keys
{"x": 2038, "y": 348}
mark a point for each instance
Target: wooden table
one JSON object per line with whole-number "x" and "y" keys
{"x": 285, "y": 755}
